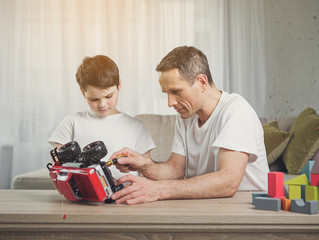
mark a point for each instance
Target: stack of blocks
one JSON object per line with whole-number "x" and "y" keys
{"x": 302, "y": 197}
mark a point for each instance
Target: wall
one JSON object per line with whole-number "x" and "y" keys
{"x": 292, "y": 49}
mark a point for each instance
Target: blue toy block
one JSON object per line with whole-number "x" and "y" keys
{"x": 258, "y": 194}
{"x": 267, "y": 203}
{"x": 307, "y": 169}
{"x": 299, "y": 206}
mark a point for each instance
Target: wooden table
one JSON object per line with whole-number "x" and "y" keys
{"x": 38, "y": 214}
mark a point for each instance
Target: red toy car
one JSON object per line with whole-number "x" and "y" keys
{"x": 81, "y": 175}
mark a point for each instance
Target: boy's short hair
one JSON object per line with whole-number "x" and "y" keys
{"x": 99, "y": 71}
{"x": 189, "y": 61}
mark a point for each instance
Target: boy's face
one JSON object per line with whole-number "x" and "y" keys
{"x": 102, "y": 101}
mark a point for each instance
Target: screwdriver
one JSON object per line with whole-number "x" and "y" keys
{"x": 114, "y": 160}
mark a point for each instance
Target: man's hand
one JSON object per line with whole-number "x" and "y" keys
{"x": 132, "y": 162}
{"x": 141, "y": 190}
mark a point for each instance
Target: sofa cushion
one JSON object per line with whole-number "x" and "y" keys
{"x": 276, "y": 141}
{"x": 304, "y": 142}
{"x": 162, "y": 130}
{"x": 38, "y": 179}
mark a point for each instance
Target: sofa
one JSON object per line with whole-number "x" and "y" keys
{"x": 161, "y": 128}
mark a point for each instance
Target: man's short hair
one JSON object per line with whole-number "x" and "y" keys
{"x": 99, "y": 71}
{"x": 189, "y": 61}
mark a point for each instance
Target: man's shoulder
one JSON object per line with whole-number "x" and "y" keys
{"x": 234, "y": 102}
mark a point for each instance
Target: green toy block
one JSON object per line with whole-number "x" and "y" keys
{"x": 300, "y": 180}
{"x": 307, "y": 169}
{"x": 294, "y": 192}
{"x": 312, "y": 193}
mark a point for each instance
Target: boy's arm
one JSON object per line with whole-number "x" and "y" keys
{"x": 222, "y": 183}
{"x": 57, "y": 145}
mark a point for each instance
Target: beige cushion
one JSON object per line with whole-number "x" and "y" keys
{"x": 304, "y": 142}
{"x": 38, "y": 179}
{"x": 162, "y": 130}
{"x": 276, "y": 141}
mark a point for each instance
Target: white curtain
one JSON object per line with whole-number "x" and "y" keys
{"x": 43, "y": 42}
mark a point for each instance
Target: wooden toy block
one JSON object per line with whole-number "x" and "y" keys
{"x": 286, "y": 194}
{"x": 267, "y": 203}
{"x": 299, "y": 206}
{"x": 315, "y": 167}
{"x": 258, "y": 194}
{"x": 312, "y": 193}
{"x": 294, "y": 192}
{"x": 307, "y": 169}
{"x": 276, "y": 184}
{"x": 315, "y": 179}
{"x": 300, "y": 180}
{"x": 285, "y": 204}
{"x": 315, "y": 172}
{"x": 303, "y": 192}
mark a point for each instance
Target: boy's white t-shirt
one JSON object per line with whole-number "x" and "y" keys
{"x": 233, "y": 125}
{"x": 116, "y": 131}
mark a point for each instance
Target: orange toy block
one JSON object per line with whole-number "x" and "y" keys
{"x": 276, "y": 184}
{"x": 285, "y": 204}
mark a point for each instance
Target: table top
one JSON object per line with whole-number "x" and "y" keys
{"x": 46, "y": 208}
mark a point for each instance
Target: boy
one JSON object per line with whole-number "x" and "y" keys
{"x": 98, "y": 78}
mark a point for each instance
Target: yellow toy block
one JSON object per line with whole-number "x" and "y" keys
{"x": 312, "y": 193}
{"x": 294, "y": 192}
{"x": 300, "y": 180}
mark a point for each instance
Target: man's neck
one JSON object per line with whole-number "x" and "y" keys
{"x": 210, "y": 103}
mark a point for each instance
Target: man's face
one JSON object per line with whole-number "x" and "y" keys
{"x": 183, "y": 97}
{"x": 102, "y": 101}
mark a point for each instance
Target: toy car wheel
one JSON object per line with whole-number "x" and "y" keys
{"x": 68, "y": 152}
{"x": 95, "y": 151}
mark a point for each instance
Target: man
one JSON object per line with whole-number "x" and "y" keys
{"x": 218, "y": 147}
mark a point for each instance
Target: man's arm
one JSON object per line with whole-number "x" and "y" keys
{"x": 174, "y": 168}
{"x": 222, "y": 183}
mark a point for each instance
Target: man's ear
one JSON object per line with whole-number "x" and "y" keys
{"x": 202, "y": 82}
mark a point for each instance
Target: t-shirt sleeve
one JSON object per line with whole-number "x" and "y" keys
{"x": 240, "y": 132}
{"x": 64, "y": 132}
{"x": 178, "y": 145}
{"x": 144, "y": 141}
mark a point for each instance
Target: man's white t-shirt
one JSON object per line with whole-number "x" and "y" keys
{"x": 116, "y": 131}
{"x": 233, "y": 125}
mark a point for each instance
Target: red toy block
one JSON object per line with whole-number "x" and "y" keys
{"x": 315, "y": 172}
{"x": 276, "y": 184}
{"x": 314, "y": 179}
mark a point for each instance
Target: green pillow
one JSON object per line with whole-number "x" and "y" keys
{"x": 276, "y": 141}
{"x": 304, "y": 143}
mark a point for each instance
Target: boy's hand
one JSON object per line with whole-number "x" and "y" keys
{"x": 132, "y": 161}
{"x": 141, "y": 190}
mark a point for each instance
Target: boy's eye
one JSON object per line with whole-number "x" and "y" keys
{"x": 93, "y": 99}
{"x": 109, "y": 96}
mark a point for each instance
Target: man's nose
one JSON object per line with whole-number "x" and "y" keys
{"x": 171, "y": 100}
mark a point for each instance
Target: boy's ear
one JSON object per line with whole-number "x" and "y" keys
{"x": 119, "y": 85}
{"x": 83, "y": 92}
